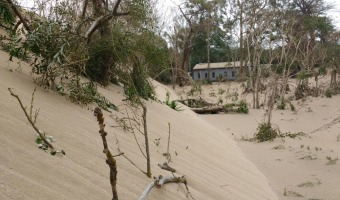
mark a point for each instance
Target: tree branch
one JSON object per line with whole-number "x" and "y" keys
{"x": 159, "y": 182}
{"x": 96, "y": 24}
{"x": 22, "y": 19}
{"x": 109, "y": 158}
{"x": 165, "y": 166}
{"x": 30, "y": 119}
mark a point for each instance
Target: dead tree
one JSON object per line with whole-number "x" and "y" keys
{"x": 109, "y": 158}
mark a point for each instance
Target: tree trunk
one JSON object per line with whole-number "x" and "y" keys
{"x": 333, "y": 77}
{"x": 148, "y": 163}
{"x": 271, "y": 100}
{"x": 242, "y": 73}
{"x": 316, "y": 85}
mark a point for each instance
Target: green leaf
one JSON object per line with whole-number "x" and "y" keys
{"x": 38, "y": 140}
{"x": 53, "y": 152}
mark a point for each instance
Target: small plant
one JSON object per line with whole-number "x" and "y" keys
{"x": 196, "y": 87}
{"x": 292, "y": 135}
{"x": 292, "y": 107}
{"x": 157, "y": 141}
{"x": 309, "y": 157}
{"x": 279, "y": 147}
{"x": 87, "y": 93}
{"x": 44, "y": 141}
{"x": 291, "y": 193}
{"x": 221, "y": 91}
{"x": 243, "y": 107}
{"x": 306, "y": 184}
{"x": 331, "y": 161}
{"x": 265, "y": 132}
{"x": 309, "y": 109}
{"x": 328, "y": 93}
{"x": 172, "y": 104}
{"x": 310, "y": 183}
{"x": 282, "y": 105}
{"x": 212, "y": 94}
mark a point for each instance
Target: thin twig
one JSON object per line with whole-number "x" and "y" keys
{"x": 32, "y": 100}
{"x": 119, "y": 151}
{"x": 167, "y": 152}
{"x": 30, "y": 120}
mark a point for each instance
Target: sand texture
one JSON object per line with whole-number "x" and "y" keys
{"x": 297, "y": 168}
{"x": 210, "y": 159}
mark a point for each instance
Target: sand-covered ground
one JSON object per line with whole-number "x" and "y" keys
{"x": 209, "y": 158}
{"x": 304, "y": 167}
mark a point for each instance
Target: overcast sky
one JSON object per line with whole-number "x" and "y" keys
{"x": 168, "y": 4}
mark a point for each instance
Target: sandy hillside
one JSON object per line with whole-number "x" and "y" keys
{"x": 297, "y": 168}
{"x": 212, "y": 162}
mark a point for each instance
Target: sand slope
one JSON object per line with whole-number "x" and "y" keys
{"x": 214, "y": 165}
{"x": 296, "y": 166}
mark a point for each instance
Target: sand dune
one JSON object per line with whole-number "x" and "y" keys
{"x": 296, "y": 166}
{"x": 213, "y": 164}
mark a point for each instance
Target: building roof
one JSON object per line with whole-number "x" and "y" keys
{"x": 217, "y": 65}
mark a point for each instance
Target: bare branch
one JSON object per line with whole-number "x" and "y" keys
{"x": 109, "y": 158}
{"x": 159, "y": 182}
{"x": 165, "y": 166}
{"x": 30, "y": 120}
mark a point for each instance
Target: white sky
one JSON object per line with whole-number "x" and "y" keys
{"x": 168, "y": 5}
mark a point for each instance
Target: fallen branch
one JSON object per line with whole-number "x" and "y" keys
{"x": 159, "y": 182}
{"x": 207, "y": 110}
{"x": 168, "y": 156}
{"x": 165, "y": 166}
{"x": 109, "y": 158}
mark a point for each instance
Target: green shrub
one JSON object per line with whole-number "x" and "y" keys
{"x": 243, "y": 107}
{"x": 292, "y": 107}
{"x": 172, "y": 104}
{"x": 87, "y": 93}
{"x": 220, "y": 91}
{"x": 328, "y": 93}
{"x": 282, "y": 105}
{"x": 265, "y": 132}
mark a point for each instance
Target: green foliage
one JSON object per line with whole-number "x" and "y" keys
{"x": 7, "y": 16}
{"x": 265, "y": 132}
{"x": 99, "y": 50}
{"x": 291, "y": 193}
{"x": 282, "y": 105}
{"x": 328, "y": 93}
{"x": 331, "y": 161}
{"x": 172, "y": 104}
{"x": 292, "y": 107}
{"x": 196, "y": 87}
{"x": 243, "y": 107}
{"x": 87, "y": 93}
{"x": 292, "y": 135}
{"x": 44, "y": 146}
{"x": 303, "y": 75}
{"x": 221, "y": 91}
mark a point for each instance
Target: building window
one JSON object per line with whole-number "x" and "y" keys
{"x": 199, "y": 75}
{"x": 232, "y": 74}
{"x": 213, "y": 74}
{"x": 206, "y": 75}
